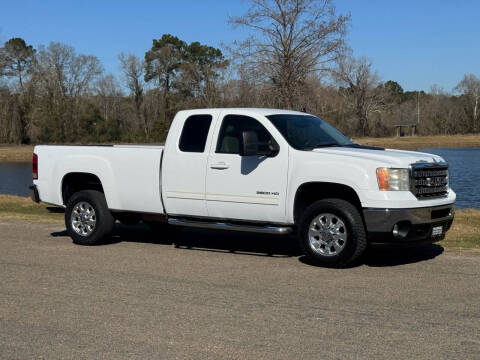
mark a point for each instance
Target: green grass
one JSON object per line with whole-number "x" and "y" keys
{"x": 465, "y": 231}
{"x": 17, "y": 207}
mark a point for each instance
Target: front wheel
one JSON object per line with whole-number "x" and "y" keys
{"x": 331, "y": 233}
{"x": 87, "y": 217}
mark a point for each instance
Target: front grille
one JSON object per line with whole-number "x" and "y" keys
{"x": 429, "y": 180}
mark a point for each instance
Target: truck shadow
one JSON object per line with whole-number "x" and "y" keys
{"x": 391, "y": 256}
{"x": 259, "y": 245}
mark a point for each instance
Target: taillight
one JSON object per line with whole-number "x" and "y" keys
{"x": 35, "y": 166}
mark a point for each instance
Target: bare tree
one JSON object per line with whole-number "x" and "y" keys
{"x": 133, "y": 70}
{"x": 359, "y": 86}
{"x": 63, "y": 77}
{"x": 469, "y": 86}
{"x": 108, "y": 91}
{"x": 66, "y": 72}
{"x": 290, "y": 39}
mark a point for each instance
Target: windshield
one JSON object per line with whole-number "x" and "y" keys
{"x": 307, "y": 132}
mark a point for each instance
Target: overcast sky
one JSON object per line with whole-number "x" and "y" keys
{"x": 416, "y": 43}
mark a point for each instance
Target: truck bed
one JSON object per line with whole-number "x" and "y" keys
{"x": 130, "y": 174}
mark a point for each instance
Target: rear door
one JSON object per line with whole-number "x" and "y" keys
{"x": 245, "y": 187}
{"x": 184, "y": 163}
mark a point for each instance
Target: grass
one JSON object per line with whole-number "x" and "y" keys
{"x": 22, "y": 208}
{"x": 464, "y": 234}
{"x": 16, "y": 153}
{"x": 418, "y": 142}
{"x": 465, "y": 231}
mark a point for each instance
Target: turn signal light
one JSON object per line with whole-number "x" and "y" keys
{"x": 383, "y": 179}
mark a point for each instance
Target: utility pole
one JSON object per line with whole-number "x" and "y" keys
{"x": 418, "y": 107}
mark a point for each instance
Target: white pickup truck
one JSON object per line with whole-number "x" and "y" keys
{"x": 255, "y": 170}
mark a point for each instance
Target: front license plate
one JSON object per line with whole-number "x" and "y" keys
{"x": 437, "y": 230}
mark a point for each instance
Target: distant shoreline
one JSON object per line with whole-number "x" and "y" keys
{"x": 23, "y": 153}
{"x": 420, "y": 142}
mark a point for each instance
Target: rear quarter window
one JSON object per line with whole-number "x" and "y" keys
{"x": 194, "y": 133}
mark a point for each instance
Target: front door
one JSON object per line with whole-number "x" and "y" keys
{"x": 240, "y": 187}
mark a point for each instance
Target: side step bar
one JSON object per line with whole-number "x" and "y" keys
{"x": 277, "y": 230}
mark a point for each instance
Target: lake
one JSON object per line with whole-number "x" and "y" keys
{"x": 464, "y": 175}
{"x": 464, "y": 166}
{"x": 15, "y": 178}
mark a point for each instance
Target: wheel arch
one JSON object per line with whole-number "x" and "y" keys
{"x": 309, "y": 192}
{"x": 73, "y": 182}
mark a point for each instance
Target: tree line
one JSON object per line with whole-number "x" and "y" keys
{"x": 294, "y": 57}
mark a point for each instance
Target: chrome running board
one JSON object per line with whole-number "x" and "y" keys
{"x": 277, "y": 230}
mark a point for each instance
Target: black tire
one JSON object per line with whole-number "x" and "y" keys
{"x": 355, "y": 243}
{"x": 102, "y": 217}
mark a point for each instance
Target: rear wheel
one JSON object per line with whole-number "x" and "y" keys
{"x": 87, "y": 217}
{"x": 331, "y": 233}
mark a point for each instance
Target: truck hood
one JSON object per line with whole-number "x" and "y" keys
{"x": 385, "y": 157}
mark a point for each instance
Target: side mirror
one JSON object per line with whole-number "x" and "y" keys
{"x": 251, "y": 146}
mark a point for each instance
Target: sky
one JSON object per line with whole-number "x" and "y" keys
{"x": 416, "y": 43}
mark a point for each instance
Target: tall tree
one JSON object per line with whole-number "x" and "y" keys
{"x": 108, "y": 92}
{"x": 469, "y": 87}
{"x": 162, "y": 63}
{"x": 16, "y": 60}
{"x": 359, "y": 85}
{"x": 394, "y": 89}
{"x": 133, "y": 70}
{"x": 289, "y": 40}
{"x": 199, "y": 72}
{"x": 64, "y": 77}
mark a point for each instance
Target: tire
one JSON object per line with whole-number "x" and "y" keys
{"x": 331, "y": 233}
{"x": 87, "y": 217}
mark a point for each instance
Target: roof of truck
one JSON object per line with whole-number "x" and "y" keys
{"x": 260, "y": 111}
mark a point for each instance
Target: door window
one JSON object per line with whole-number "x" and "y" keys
{"x": 230, "y": 136}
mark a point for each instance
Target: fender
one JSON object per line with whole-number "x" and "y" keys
{"x": 89, "y": 164}
{"x": 349, "y": 174}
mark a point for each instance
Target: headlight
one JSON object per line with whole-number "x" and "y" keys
{"x": 393, "y": 179}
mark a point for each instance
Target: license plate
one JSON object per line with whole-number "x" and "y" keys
{"x": 437, "y": 230}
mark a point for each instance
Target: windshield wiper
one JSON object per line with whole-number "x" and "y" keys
{"x": 320, "y": 146}
{"x": 366, "y": 147}
{"x": 325, "y": 145}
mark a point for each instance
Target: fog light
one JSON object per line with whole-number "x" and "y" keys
{"x": 401, "y": 229}
{"x": 396, "y": 230}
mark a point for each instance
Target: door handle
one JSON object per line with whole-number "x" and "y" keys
{"x": 220, "y": 165}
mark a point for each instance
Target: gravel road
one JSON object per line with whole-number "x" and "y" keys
{"x": 228, "y": 296}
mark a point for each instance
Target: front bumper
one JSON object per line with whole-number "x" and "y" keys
{"x": 34, "y": 193}
{"x": 415, "y": 224}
